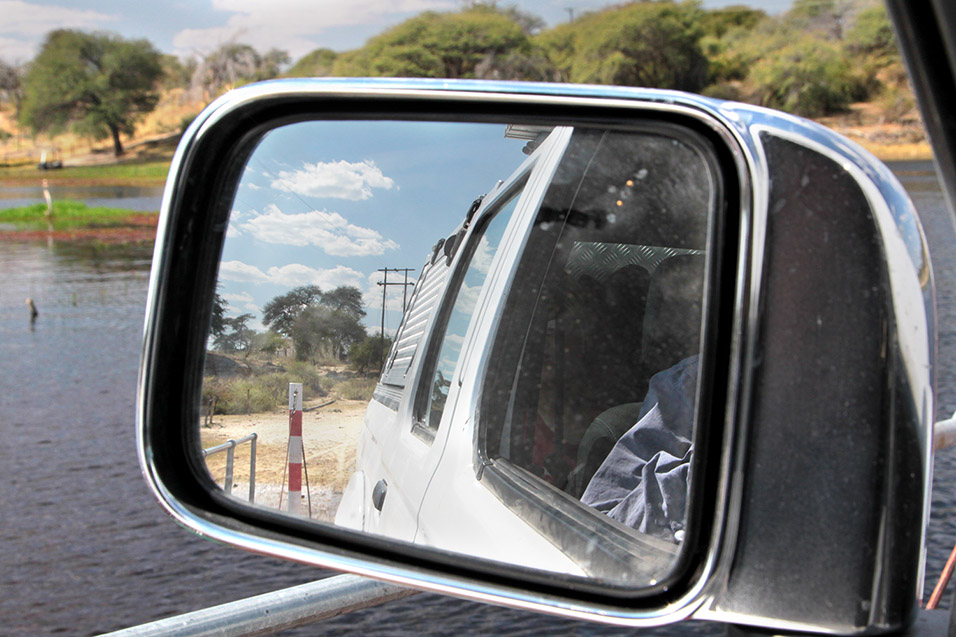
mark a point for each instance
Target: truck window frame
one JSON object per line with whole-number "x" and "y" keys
{"x": 461, "y": 261}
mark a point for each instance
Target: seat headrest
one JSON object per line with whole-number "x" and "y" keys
{"x": 673, "y": 314}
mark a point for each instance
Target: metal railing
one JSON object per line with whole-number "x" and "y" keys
{"x": 278, "y": 610}
{"x": 230, "y": 448}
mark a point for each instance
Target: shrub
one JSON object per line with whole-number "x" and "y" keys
{"x": 809, "y": 77}
{"x": 260, "y": 392}
{"x": 356, "y": 389}
{"x": 367, "y": 354}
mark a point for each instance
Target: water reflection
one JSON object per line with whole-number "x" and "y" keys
{"x": 105, "y": 257}
{"x": 138, "y": 198}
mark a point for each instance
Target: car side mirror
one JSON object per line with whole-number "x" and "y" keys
{"x": 608, "y": 353}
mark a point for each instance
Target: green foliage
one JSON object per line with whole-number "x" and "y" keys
{"x": 66, "y": 215}
{"x": 97, "y": 83}
{"x": 872, "y": 36}
{"x": 809, "y": 77}
{"x": 217, "y": 324}
{"x": 269, "y": 342}
{"x": 261, "y": 392}
{"x": 319, "y": 330}
{"x": 176, "y": 74}
{"x": 11, "y": 84}
{"x": 718, "y": 22}
{"x": 368, "y": 354}
{"x": 319, "y": 323}
{"x": 734, "y": 52}
{"x": 345, "y": 298}
{"x": 139, "y": 174}
{"x": 280, "y": 313}
{"x": 236, "y": 335}
{"x": 318, "y": 63}
{"x": 449, "y": 45}
{"x": 651, "y": 44}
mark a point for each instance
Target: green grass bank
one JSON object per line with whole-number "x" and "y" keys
{"x": 67, "y": 215}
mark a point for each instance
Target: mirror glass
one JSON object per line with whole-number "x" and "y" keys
{"x": 478, "y": 337}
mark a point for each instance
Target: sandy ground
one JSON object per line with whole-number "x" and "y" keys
{"x": 329, "y": 437}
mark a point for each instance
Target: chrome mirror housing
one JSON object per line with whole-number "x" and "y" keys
{"x": 659, "y": 356}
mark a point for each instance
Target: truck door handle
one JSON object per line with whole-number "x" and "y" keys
{"x": 378, "y": 494}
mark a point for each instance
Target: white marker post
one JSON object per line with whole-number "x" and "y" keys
{"x": 295, "y": 447}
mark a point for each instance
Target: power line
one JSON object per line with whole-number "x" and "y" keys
{"x": 385, "y": 283}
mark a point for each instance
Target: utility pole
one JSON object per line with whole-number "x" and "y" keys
{"x": 384, "y": 283}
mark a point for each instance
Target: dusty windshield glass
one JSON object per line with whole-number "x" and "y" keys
{"x": 593, "y": 384}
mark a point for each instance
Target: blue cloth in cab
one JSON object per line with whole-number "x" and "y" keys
{"x": 643, "y": 481}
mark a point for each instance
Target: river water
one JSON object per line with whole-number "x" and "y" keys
{"x": 85, "y": 549}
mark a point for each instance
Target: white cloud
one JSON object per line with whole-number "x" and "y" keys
{"x": 241, "y": 303}
{"x": 240, "y": 272}
{"x": 337, "y": 179}
{"x": 232, "y": 230}
{"x": 467, "y": 299}
{"x": 291, "y": 275}
{"x": 296, "y": 26}
{"x": 297, "y": 274}
{"x": 242, "y": 297}
{"x": 483, "y": 256}
{"x": 329, "y": 231}
{"x": 25, "y": 24}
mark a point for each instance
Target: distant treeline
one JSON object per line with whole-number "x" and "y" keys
{"x": 814, "y": 60}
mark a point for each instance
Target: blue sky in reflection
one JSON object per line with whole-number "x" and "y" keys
{"x": 330, "y": 203}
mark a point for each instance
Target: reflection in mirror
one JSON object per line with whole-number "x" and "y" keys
{"x": 482, "y": 338}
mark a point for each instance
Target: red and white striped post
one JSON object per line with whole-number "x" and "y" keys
{"x": 295, "y": 447}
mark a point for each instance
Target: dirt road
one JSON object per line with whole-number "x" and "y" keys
{"x": 329, "y": 436}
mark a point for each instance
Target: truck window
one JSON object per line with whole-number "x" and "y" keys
{"x": 462, "y": 301}
{"x": 608, "y": 292}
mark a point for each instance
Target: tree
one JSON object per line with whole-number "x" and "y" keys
{"x": 346, "y": 298}
{"x": 11, "y": 84}
{"x": 96, "y": 82}
{"x": 237, "y": 336}
{"x": 828, "y": 17}
{"x": 652, "y": 44}
{"x": 872, "y": 35}
{"x": 233, "y": 64}
{"x": 318, "y": 63}
{"x": 449, "y": 45}
{"x": 529, "y": 22}
{"x": 718, "y": 22}
{"x": 280, "y": 313}
{"x": 367, "y": 354}
{"x": 809, "y": 77}
{"x": 217, "y": 324}
{"x": 315, "y": 320}
{"x": 176, "y": 73}
{"x": 269, "y": 342}
{"x": 320, "y": 329}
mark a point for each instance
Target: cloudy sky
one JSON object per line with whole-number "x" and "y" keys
{"x": 329, "y": 203}
{"x": 298, "y": 26}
